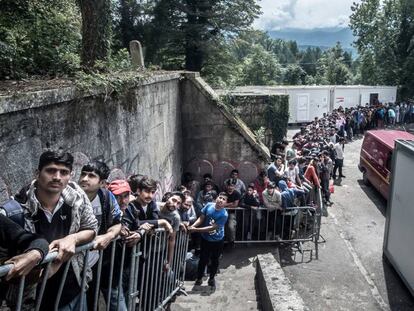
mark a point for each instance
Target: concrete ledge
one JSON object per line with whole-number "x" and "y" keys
{"x": 35, "y": 99}
{"x": 276, "y": 291}
{"x": 238, "y": 123}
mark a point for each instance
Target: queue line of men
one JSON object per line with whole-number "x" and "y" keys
{"x": 58, "y": 215}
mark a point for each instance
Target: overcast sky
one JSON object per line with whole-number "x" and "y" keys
{"x": 304, "y": 14}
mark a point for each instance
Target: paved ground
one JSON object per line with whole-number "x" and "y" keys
{"x": 235, "y": 288}
{"x": 351, "y": 273}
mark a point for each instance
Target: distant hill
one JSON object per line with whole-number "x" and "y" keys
{"x": 322, "y": 37}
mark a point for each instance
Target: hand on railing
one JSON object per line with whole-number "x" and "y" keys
{"x": 66, "y": 248}
{"x": 146, "y": 226}
{"x": 166, "y": 225}
{"x": 183, "y": 226}
{"x": 102, "y": 241}
{"x": 132, "y": 239}
{"x": 23, "y": 264}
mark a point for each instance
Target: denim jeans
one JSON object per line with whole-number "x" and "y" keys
{"x": 74, "y": 305}
{"x": 114, "y": 299}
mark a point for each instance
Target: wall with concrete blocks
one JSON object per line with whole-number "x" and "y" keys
{"x": 138, "y": 132}
{"x": 170, "y": 123}
{"x": 216, "y": 140}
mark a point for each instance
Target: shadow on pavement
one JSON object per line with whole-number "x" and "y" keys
{"x": 399, "y": 297}
{"x": 291, "y": 255}
{"x": 374, "y": 196}
{"x": 241, "y": 255}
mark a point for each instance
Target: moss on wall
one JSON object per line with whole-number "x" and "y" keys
{"x": 262, "y": 113}
{"x": 277, "y": 115}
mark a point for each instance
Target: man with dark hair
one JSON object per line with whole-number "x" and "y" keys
{"x": 339, "y": 157}
{"x": 233, "y": 199}
{"x": 211, "y": 226}
{"x": 187, "y": 213}
{"x": 143, "y": 213}
{"x": 144, "y": 208}
{"x": 106, "y": 209}
{"x": 169, "y": 212}
{"x": 59, "y": 210}
{"x": 133, "y": 182}
{"x": 209, "y": 178}
{"x": 199, "y": 199}
{"x": 238, "y": 183}
{"x": 250, "y": 201}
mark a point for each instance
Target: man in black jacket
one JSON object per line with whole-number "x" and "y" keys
{"x": 13, "y": 240}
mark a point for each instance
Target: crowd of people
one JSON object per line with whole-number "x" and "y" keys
{"x": 55, "y": 213}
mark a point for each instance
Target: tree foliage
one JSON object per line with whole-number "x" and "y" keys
{"x": 211, "y": 36}
{"x": 39, "y": 37}
{"x": 385, "y": 41}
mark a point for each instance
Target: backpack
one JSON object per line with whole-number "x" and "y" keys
{"x": 14, "y": 211}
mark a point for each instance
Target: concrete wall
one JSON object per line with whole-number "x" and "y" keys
{"x": 139, "y": 132}
{"x": 215, "y": 140}
{"x": 170, "y": 121}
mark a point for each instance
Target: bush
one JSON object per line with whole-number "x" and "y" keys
{"x": 39, "y": 38}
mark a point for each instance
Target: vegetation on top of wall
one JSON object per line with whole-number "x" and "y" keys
{"x": 277, "y": 115}
{"x": 120, "y": 78}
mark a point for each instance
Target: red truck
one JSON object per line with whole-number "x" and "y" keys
{"x": 375, "y": 159}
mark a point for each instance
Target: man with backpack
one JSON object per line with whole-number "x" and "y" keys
{"x": 106, "y": 209}
{"x": 59, "y": 210}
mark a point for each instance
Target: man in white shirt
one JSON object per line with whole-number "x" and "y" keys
{"x": 339, "y": 157}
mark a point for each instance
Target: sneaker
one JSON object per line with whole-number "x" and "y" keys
{"x": 342, "y": 176}
{"x": 198, "y": 282}
{"x": 212, "y": 282}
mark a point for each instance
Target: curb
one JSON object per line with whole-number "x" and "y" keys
{"x": 275, "y": 290}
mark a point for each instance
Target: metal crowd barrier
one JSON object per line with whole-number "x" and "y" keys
{"x": 291, "y": 225}
{"x": 140, "y": 275}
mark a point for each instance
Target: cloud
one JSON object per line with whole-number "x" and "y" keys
{"x": 275, "y": 15}
{"x": 304, "y": 14}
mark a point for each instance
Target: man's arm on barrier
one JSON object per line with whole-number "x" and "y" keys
{"x": 35, "y": 247}
{"x": 103, "y": 240}
{"x": 24, "y": 263}
{"x": 67, "y": 245}
{"x": 203, "y": 229}
{"x": 199, "y": 221}
{"x": 171, "y": 245}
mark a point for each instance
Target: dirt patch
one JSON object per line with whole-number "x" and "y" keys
{"x": 11, "y": 87}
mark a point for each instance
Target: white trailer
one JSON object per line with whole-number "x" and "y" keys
{"x": 355, "y": 95}
{"x": 310, "y": 101}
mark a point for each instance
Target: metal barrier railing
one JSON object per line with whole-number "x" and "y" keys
{"x": 291, "y": 225}
{"x": 137, "y": 273}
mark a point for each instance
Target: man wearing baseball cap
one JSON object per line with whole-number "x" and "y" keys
{"x": 121, "y": 190}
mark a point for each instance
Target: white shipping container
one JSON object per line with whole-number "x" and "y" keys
{"x": 308, "y": 102}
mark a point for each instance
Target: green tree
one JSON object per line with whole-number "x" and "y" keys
{"x": 260, "y": 68}
{"x": 385, "y": 32}
{"x": 193, "y": 25}
{"x": 331, "y": 68}
{"x": 294, "y": 75}
{"x": 38, "y": 38}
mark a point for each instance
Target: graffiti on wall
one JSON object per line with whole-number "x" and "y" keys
{"x": 165, "y": 180}
{"x": 221, "y": 170}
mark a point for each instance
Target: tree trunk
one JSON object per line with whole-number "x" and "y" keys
{"x": 96, "y": 31}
